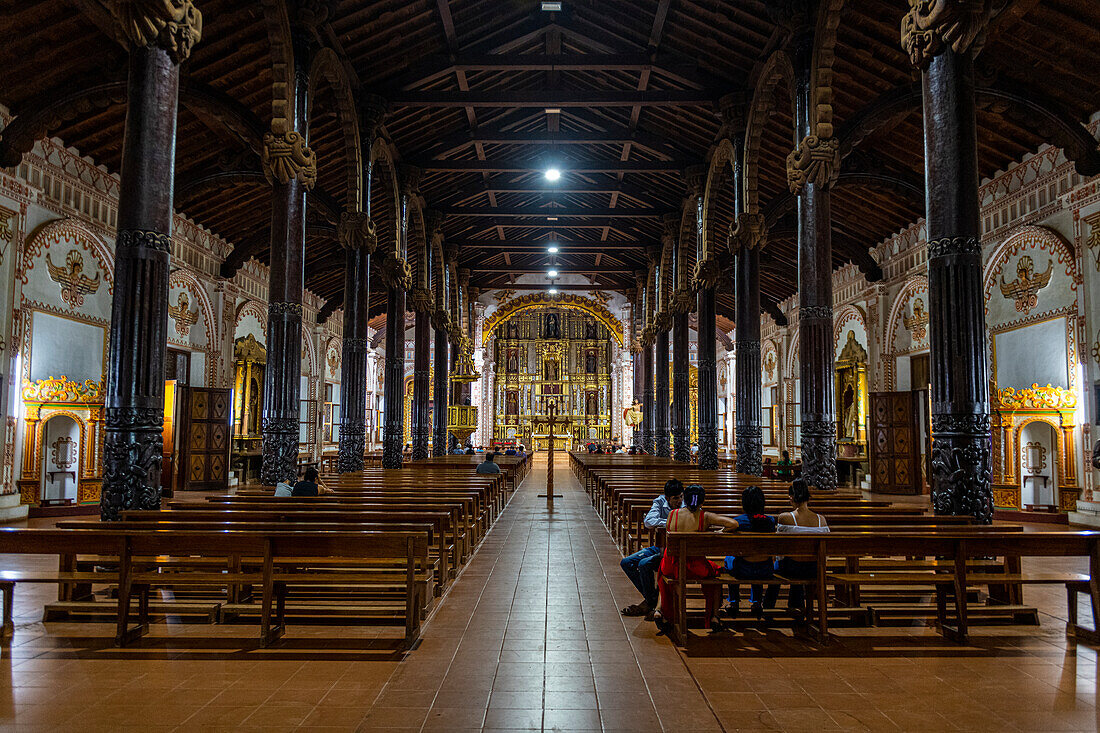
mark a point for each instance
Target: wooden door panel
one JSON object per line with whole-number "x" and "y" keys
{"x": 893, "y": 449}
{"x": 205, "y": 458}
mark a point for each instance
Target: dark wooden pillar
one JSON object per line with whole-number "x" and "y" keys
{"x": 423, "y": 304}
{"x": 746, "y": 350}
{"x": 810, "y": 168}
{"x": 357, "y": 235}
{"x": 649, "y": 412}
{"x": 660, "y": 392}
{"x": 291, "y": 168}
{"x": 708, "y": 379}
{"x": 680, "y": 410}
{"x": 134, "y": 402}
{"x": 397, "y": 277}
{"x": 441, "y": 322}
{"x": 961, "y": 442}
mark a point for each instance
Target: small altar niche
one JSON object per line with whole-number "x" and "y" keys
{"x": 62, "y": 447}
{"x": 851, "y": 401}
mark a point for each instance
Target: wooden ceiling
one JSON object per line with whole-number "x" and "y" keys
{"x": 469, "y": 83}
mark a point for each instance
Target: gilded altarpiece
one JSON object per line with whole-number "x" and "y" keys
{"x": 1013, "y": 409}
{"x": 552, "y": 355}
{"x": 82, "y": 402}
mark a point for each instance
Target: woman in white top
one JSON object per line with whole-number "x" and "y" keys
{"x": 800, "y": 520}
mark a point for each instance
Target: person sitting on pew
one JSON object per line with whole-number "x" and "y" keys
{"x": 469, "y": 451}
{"x": 751, "y": 567}
{"x": 510, "y": 452}
{"x": 641, "y": 567}
{"x": 285, "y": 487}
{"x": 488, "y": 465}
{"x": 310, "y": 486}
{"x": 800, "y": 520}
{"x": 521, "y": 451}
{"x": 768, "y": 470}
{"x": 691, "y": 518}
{"x": 785, "y": 469}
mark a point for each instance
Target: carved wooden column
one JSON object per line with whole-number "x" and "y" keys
{"x": 707, "y": 276}
{"x": 649, "y": 410}
{"x": 464, "y": 389}
{"x": 681, "y": 303}
{"x": 662, "y": 323}
{"x": 423, "y": 304}
{"x": 357, "y": 236}
{"x": 397, "y": 277}
{"x": 941, "y": 44}
{"x": 159, "y": 39}
{"x": 637, "y": 359}
{"x": 810, "y": 170}
{"x": 441, "y": 322}
{"x": 746, "y": 349}
{"x": 291, "y": 168}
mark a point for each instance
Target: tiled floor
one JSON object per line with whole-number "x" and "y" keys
{"x": 530, "y": 638}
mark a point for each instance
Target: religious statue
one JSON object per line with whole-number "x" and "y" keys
{"x": 513, "y": 330}
{"x": 632, "y": 415}
{"x": 511, "y": 404}
{"x": 550, "y": 369}
{"x": 513, "y": 361}
{"x": 553, "y": 328}
{"x": 590, "y": 362}
{"x": 590, "y": 329}
{"x": 851, "y": 413}
{"x": 591, "y": 404}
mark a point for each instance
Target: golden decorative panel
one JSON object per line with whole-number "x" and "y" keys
{"x": 63, "y": 391}
{"x": 1037, "y": 398}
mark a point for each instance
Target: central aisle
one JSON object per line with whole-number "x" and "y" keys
{"x": 530, "y": 637}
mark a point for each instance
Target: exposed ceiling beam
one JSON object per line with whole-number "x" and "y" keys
{"x": 619, "y": 136}
{"x": 538, "y": 186}
{"x": 564, "y": 248}
{"x": 539, "y": 211}
{"x": 596, "y": 222}
{"x": 570, "y": 166}
{"x": 552, "y": 98}
{"x": 563, "y": 269}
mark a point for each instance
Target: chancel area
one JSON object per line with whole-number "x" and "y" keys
{"x": 632, "y": 365}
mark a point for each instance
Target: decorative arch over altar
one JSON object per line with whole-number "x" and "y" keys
{"x": 514, "y": 306}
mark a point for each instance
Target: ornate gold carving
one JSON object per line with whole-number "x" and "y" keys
{"x": 816, "y": 160}
{"x": 750, "y": 230}
{"x": 74, "y": 283}
{"x": 681, "y": 301}
{"x": 769, "y": 365}
{"x": 183, "y": 315}
{"x": 1093, "y": 241}
{"x": 63, "y": 391}
{"x": 465, "y": 370}
{"x": 1006, "y": 496}
{"x": 286, "y": 156}
{"x": 356, "y": 230}
{"x": 560, "y": 300}
{"x": 396, "y": 272}
{"x": 1025, "y": 288}
{"x": 708, "y": 273}
{"x": 930, "y": 26}
{"x": 422, "y": 300}
{"x": 917, "y": 324}
{"x": 504, "y": 295}
{"x": 174, "y": 25}
{"x": 1037, "y": 398}
{"x": 249, "y": 349}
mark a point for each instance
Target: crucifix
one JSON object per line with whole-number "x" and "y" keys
{"x": 552, "y": 411}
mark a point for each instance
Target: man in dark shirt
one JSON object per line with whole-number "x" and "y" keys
{"x": 489, "y": 465}
{"x": 308, "y": 485}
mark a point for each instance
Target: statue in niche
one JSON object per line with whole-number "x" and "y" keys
{"x": 591, "y": 404}
{"x": 512, "y": 330}
{"x": 512, "y": 366}
{"x": 590, "y": 362}
{"x": 632, "y": 415}
{"x": 254, "y": 408}
{"x": 512, "y": 403}
{"x": 851, "y": 412}
{"x": 550, "y": 370}
{"x": 553, "y": 327}
{"x": 590, "y": 329}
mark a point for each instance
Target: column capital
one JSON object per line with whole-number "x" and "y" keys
{"x": 749, "y": 231}
{"x": 174, "y": 25}
{"x": 287, "y": 156}
{"x": 396, "y": 272}
{"x": 356, "y": 230}
{"x": 671, "y": 227}
{"x": 696, "y": 178}
{"x": 816, "y": 160}
{"x": 433, "y": 223}
{"x": 372, "y": 110}
{"x": 733, "y": 108}
{"x": 931, "y": 26}
{"x": 408, "y": 177}
{"x": 450, "y": 254}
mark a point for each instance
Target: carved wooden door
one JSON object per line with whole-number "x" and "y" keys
{"x": 895, "y": 463}
{"x": 205, "y": 429}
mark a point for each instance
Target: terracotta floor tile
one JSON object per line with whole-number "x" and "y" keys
{"x": 514, "y": 719}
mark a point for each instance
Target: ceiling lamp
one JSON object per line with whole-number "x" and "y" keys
{"x": 551, "y": 273}
{"x": 552, "y": 249}
{"x": 553, "y": 291}
{"x": 548, "y": 6}
{"x": 553, "y": 174}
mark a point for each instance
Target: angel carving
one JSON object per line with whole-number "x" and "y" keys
{"x": 74, "y": 283}
{"x": 183, "y": 315}
{"x": 1025, "y": 288}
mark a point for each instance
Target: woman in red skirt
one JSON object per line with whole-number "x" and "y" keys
{"x": 691, "y": 518}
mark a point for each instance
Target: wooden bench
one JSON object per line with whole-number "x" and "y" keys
{"x": 953, "y": 579}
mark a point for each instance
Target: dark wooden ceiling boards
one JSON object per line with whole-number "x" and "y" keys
{"x": 636, "y": 82}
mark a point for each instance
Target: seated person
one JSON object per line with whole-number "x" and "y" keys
{"x": 751, "y": 567}
{"x": 488, "y": 465}
{"x": 641, "y": 567}
{"x": 510, "y": 452}
{"x": 768, "y": 468}
{"x": 521, "y": 451}
{"x": 785, "y": 469}
{"x": 800, "y": 520}
{"x": 285, "y": 487}
{"x": 690, "y": 518}
{"x": 310, "y": 486}
{"x": 599, "y": 450}
{"x": 469, "y": 450}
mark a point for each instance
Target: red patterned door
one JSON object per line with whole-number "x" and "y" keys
{"x": 895, "y": 468}
{"x": 204, "y": 438}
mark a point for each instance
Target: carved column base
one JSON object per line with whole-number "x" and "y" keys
{"x": 962, "y": 466}
{"x": 353, "y": 441}
{"x": 132, "y": 447}
{"x": 391, "y": 448}
{"x": 279, "y": 451}
{"x": 648, "y": 444}
{"x": 750, "y": 449}
{"x": 681, "y": 439}
{"x": 819, "y": 454}
{"x": 661, "y": 445}
{"x": 420, "y": 438}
